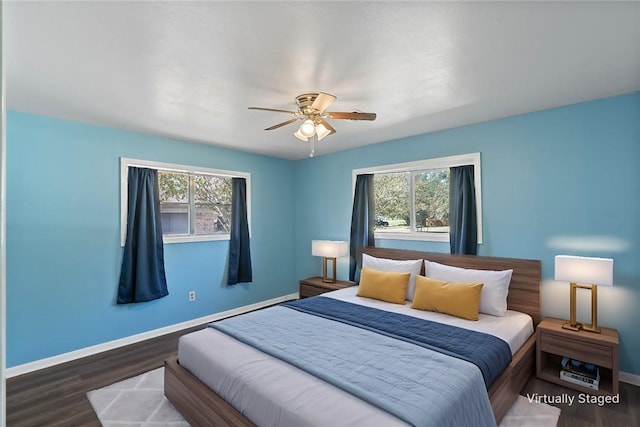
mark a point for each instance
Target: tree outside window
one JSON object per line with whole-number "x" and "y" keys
{"x": 412, "y": 201}
{"x": 194, "y": 204}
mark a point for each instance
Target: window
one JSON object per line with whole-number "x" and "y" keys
{"x": 412, "y": 199}
{"x": 195, "y": 203}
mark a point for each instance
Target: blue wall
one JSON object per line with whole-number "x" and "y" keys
{"x": 560, "y": 181}
{"x": 63, "y": 237}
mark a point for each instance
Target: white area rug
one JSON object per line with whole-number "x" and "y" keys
{"x": 534, "y": 414}
{"x": 140, "y": 402}
{"x": 136, "y": 402}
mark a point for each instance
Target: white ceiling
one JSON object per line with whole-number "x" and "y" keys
{"x": 189, "y": 70}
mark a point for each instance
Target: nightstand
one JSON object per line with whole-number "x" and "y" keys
{"x": 554, "y": 343}
{"x": 315, "y": 286}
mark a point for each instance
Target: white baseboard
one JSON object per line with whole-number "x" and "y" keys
{"x": 14, "y": 371}
{"x": 626, "y": 377}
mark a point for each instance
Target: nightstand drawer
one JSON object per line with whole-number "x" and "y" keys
{"x": 581, "y": 350}
{"x": 310, "y": 290}
{"x": 315, "y": 286}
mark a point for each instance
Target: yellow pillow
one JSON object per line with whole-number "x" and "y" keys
{"x": 457, "y": 299}
{"x": 387, "y": 286}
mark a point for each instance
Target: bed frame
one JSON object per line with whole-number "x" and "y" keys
{"x": 202, "y": 407}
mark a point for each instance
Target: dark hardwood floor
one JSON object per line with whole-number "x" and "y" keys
{"x": 624, "y": 414}
{"x": 56, "y": 396}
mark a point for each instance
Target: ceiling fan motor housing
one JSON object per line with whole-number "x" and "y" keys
{"x": 305, "y": 101}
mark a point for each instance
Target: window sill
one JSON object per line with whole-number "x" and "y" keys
{"x": 169, "y": 240}
{"x": 189, "y": 239}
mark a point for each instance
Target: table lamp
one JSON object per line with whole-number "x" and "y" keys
{"x": 574, "y": 269}
{"x": 329, "y": 250}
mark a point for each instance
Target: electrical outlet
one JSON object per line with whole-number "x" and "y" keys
{"x": 192, "y": 295}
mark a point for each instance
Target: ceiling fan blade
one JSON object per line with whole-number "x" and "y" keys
{"x": 327, "y": 125}
{"x": 350, "y": 116}
{"x": 288, "y": 122}
{"x": 273, "y": 109}
{"x": 322, "y": 101}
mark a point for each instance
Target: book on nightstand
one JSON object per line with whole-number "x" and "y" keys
{"x": 577, "y": 372}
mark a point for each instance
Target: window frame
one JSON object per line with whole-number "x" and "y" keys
{"x": 421, "y": 166}
{"x": 125, "y": 163}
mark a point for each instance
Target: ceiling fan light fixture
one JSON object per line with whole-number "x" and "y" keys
{"x": 300, "y": 136}
{"x": 321, "y": 131}
{"x": 307, "y": 128}
{"x": 314, "y": 117}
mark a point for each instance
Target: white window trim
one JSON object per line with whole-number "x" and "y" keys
{"x": 125, "y": 163}
{"x": 427, "y": 164}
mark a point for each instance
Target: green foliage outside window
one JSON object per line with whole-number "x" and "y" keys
{"x": 432, "y": 199}
{"x": 204, "y": 200}
{"x": 393, "y": 196}
{"x": 392, "y": 200}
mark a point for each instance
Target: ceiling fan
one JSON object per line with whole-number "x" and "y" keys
{"x": 312, "y": 112}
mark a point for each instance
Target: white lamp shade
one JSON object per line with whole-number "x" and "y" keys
{"x": 322, "y": 131}
{"x": 307, "y": 128}
{"x": 300, "y": 136}
{"x": 585, "y": 270}
{"x": 329, "y": 248}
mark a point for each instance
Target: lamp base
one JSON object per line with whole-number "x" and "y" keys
{"x": 594, "y": 329}
{"x": 572, "y": 327}
{"x": 325, "y": 276}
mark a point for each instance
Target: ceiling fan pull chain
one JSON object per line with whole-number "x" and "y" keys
{"x": 313, "y": 145}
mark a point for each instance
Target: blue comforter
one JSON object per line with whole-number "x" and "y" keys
{"x": 412, "y": 381}
{"x": 457, "y": 342}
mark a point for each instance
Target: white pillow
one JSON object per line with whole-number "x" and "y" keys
{"x": 384, "y": 264}
{"x": 493, "y": 299}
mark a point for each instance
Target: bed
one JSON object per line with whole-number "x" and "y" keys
{"x": 200, "y": 405}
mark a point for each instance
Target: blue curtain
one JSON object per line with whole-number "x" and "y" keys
{"x": 463, "y": 226}
{"x": 362, "y": 221}
{"x": 142, "y": 276}
{"x": 239, "y": 248}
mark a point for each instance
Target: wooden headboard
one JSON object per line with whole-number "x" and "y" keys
{"x": 524, "y": 290}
